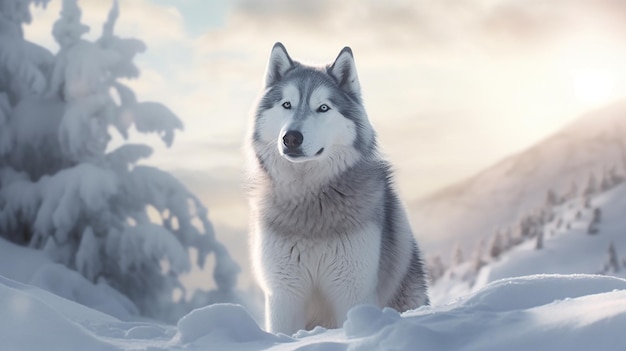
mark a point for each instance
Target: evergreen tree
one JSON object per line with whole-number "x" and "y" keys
{"x": 435, "y": 267}
{"x": 597, "y": 214}
{"x": 613, "y": 260}
{"x": 477, "y": 259}
{"x": 539, "y": 240}
{"x": 592, "y": 186}
{"x": 615, "y": 177}
{"x": 526, "y": 226}
{"x": 507, "y": 239}
{"x": 457, "y": 255}
{"x": 559, "y": 223}
{"x": 595, "y": 221}
{"x": 578, "y": 215}
{"x": 552, "y": 199}
{"x": 495, "y": 245}
{"x": 62, "y": 192}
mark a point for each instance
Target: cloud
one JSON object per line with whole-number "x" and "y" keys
{"x": 416, "y": 59}
{"x": 412, "y": 26}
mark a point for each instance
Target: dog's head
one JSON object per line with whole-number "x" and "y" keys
{"x": 311, "y": 113}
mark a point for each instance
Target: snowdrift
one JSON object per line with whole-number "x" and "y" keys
{"x": 540, "y": 312}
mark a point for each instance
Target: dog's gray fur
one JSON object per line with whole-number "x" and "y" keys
{"x": 338, "y": 195}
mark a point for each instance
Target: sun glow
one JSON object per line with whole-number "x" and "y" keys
{"x": 593, "y": 87}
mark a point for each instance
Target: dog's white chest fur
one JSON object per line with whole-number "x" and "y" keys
{"x": 328, "y": 229}
{"x": 315, "y": 282}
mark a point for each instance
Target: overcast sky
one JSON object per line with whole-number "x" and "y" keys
{"x": 452, "y": 86}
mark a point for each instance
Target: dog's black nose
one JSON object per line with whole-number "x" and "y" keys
{"x": 292, "y": 139}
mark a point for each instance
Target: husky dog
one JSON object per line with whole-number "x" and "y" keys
{"x": 328, "y": 230}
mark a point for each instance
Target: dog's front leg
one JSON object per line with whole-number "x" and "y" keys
{"x": 354, "y": 279}
{"x": 284, "y": 312}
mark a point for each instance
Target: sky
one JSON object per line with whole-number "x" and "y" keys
{"x": 451, "y": 86}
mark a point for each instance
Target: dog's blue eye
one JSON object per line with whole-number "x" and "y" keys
{"x": 287, "y": 105}
{"x": 323, "y": 108}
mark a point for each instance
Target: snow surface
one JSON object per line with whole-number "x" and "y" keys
{"x": 33, "y": 267}
{"x": 567, "y": 248}
{"x": 541, "y": 312}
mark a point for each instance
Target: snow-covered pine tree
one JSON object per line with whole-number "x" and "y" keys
{"x": 507, "y": 239}
{"x": 597, "y": 214}
{"x": 457, "y": 255}
{"x": 528, "y": 224}
{"x": 552, "y": 199}
{"x": 595, "y": 221}
{"x": 613, "y": 260}
{"x": 615, "y": 177}
{"x": 478, "y": 260}
{"x": 495, "y": 245}
{"x": 23, "y": 65}
{"x": 435, "y": 268}
{"x": 539, "y": 240}
{"x": 579, "y": 214}
{"x": 63, "y": 192}
{"x": 592, "y": 186}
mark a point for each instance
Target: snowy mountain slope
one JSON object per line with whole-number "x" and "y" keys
{"x": 567, "y": 247}
{"x": 573, "y": 250}
{"x": 577, "y": 312}
{"x": 473, "y": 209}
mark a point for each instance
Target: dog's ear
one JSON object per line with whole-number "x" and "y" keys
{"x": 344, "y": 71}
{"x": 279, "y": 64}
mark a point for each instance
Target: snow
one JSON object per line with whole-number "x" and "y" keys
{"x": 88, "y": 248}
{"x": 568, "y": 248}
{"x": 36, "y": 269}
{"x": 548, "y": 312}
{"x": 68, "y": 193}
{"x": 557, "y": 312}
{"x": 30, "y": 261}
{"x": 572, "y": 251}
{"x": 155, "y": 117}
{"x": 57, "y": 279}
{"x": 147, "y": 243}
{"x": 22, "y": 60}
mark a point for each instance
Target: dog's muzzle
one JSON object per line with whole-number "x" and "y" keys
{"x": 292, "y": 147}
